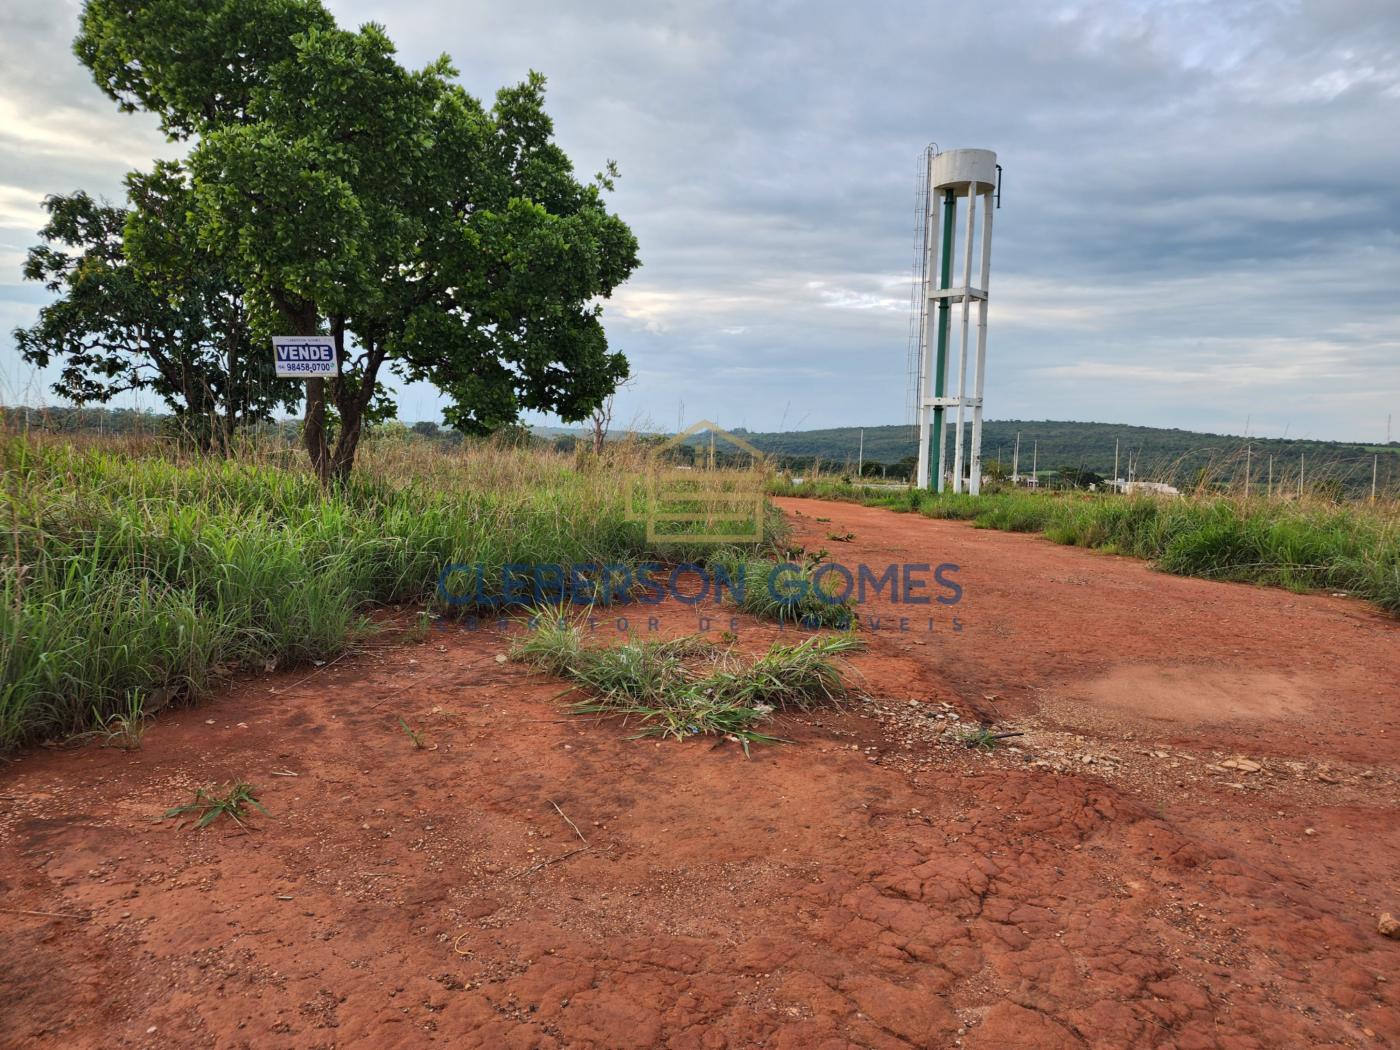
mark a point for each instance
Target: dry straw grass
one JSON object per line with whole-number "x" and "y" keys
{"x": 132, "y": 567}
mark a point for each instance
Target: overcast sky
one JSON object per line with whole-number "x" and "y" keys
{"x": 1200, "y": 225}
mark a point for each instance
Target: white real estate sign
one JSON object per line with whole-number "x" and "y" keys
{"x": 304, "y": 356}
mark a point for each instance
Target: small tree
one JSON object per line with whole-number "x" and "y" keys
{"x": 600, "y": 420}
{"x": 1077, "y": 477}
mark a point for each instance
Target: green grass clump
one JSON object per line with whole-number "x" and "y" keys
{"x": 123, "y": 729}
{"x": 979, "y": 739}
{"x": 689, "y": 686}
{"x": 209, "y": 805}
{"x": 790, "y": 592}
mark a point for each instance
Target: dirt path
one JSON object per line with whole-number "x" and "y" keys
{"x": 1189, "y": 846}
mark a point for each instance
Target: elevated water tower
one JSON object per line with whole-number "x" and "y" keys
{"x": 960, "y": 181}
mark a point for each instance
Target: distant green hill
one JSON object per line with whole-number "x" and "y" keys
{"x": 1155, "y": 453}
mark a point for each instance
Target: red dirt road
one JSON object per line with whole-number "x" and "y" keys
{"x": 1188, "y": 847}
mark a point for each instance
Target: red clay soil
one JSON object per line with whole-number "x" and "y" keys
{"x": 1188, "y": 847}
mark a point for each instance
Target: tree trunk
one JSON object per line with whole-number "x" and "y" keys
{"x": 230, "y": 420}
{"x": 302, "y": 316}
{"x": 352, "y": 405}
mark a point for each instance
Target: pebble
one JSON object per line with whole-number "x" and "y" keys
{"x": 1244, "y": 765}
{"x": 1389, "y": 926}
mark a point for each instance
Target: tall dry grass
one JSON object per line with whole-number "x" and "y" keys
{"x": 132, "y": 570}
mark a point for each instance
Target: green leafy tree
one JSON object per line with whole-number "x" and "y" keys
{"x": 196, "y": 64}
{"x": 141, "y": 307}
{"x": 1077, "y": 477}
{"x": 428, "y": 235}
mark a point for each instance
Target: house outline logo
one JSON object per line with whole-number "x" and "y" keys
{"x": 738, "y": 492}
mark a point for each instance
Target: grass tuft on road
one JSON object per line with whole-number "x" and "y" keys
{"x": 689, "y": 686}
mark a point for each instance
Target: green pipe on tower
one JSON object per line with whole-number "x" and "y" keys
{"x": 945, "y": 277}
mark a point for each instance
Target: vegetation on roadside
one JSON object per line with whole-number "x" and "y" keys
{"x": 131, "y": 574}
{"x": 790, "y": 591}
{"x": 980, "y": 738}
{"x": 122, "y": 729}
{"x": 415, "y": 736}
{"x": 1302, "y": 545}
{"x": 210, "y": 804}
{"x": 688, "y": 686}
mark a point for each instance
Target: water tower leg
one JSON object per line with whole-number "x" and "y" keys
{"x": 921, "y": 472}
{"x": 975, "y": 469}
{"x": 940, "y": 368}
{"x": 926, "y": 362}
{"x": 962, "y": 342}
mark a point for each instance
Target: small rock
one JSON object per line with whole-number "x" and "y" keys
{"x": 1310, "y": 831}
{"x": 501, "y": 658}
{"x": 1244, "y": 765}
{"x": 1389, "y": 926}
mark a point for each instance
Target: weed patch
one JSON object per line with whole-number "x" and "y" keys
{"x": 689, "y": 686}
{"x": 208, "y": 806}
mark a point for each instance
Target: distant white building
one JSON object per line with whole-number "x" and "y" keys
{"x": 1157, "y": 487}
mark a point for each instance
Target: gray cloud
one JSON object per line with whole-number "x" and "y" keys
{"x": 1201, "y": 221}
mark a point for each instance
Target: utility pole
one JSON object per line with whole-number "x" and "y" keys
{"x": 1271, "y": 476}
{"x": 1035, "y": 463}
{"x": 860, "y": 457}
{"x": 1115, "y": 465}
{"x": 1375, "y": 465}
{"x": 1016, "y": 461}
{"x": 1248, "y": 453}
{"x": 1301, "y": 458}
